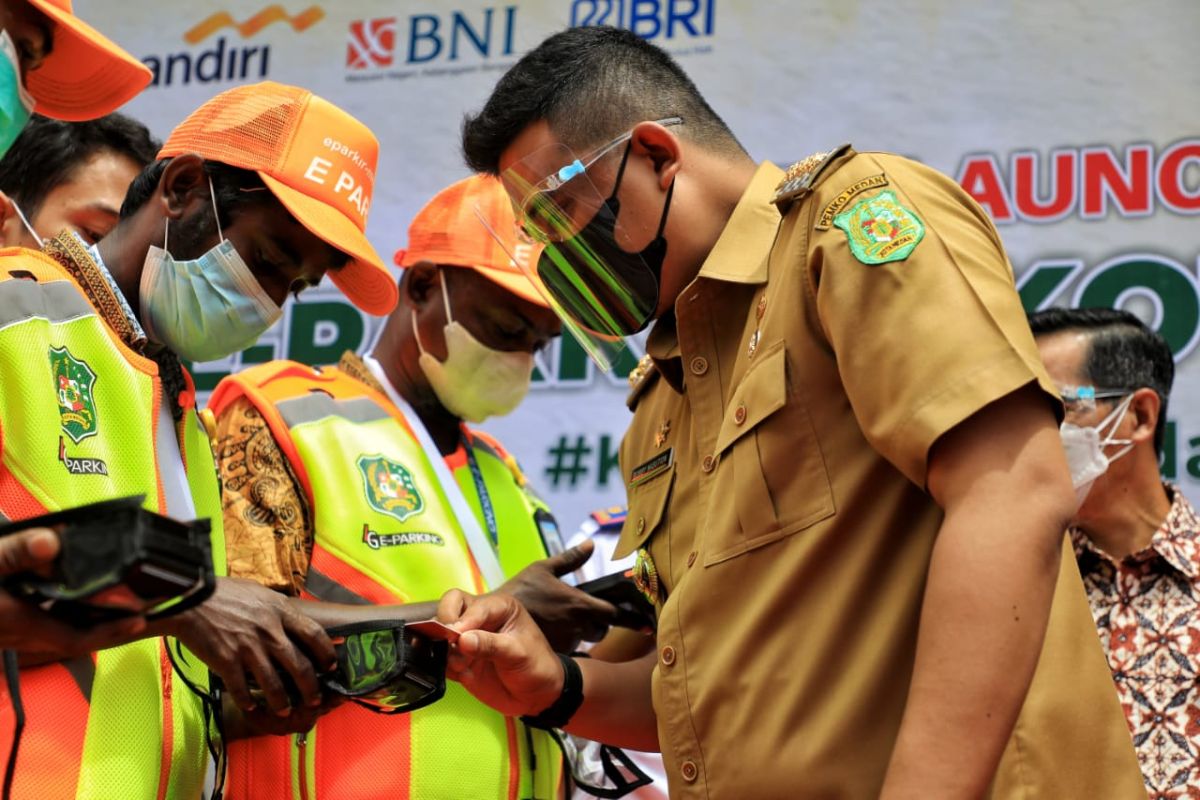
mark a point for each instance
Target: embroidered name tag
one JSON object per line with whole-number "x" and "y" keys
{"x": 652, "y": 468}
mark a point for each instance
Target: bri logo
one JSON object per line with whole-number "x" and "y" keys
{"x": 649, "y": 19}
{"x": 223, "y": 61}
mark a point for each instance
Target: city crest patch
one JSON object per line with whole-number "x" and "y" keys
{"x": 879, "y": 229}
{"x": 389, "y": 487}
{"x": 73, "y": 382}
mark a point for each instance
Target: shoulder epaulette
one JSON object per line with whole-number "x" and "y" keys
{"x": 801, "y": 176}
{"x": 639, "y": 379}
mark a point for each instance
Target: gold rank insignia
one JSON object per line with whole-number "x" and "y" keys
{"x": 639, "y": 372}
{"x": 664, "y": 430}
{"x": 800, "y": 176}
{"x": 640, "y": 377}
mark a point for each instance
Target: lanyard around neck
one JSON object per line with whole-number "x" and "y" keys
{"x": 481, "y": 549}
{"x": 485, "y": 499}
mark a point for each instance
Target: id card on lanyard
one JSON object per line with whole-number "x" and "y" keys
{"x": 483, "y": 549}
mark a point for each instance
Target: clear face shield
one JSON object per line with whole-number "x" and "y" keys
{"x": 597, "y": 270}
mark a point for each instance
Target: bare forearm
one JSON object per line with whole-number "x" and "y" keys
{"x": 985, "y": 612}
{"x": 329, "y": 615}
{"x": 616, "y": 708}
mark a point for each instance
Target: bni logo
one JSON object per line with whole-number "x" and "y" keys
{"x": 425, "y": 38}
{"x": 222, "y": 61}
{"x": 372, "y": 43}
{"x": 649, "y": 19}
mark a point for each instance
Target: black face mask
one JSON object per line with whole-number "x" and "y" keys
{"x": 604, "y": 288}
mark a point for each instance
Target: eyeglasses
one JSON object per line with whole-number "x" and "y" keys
{"x": 540, "y": 212}
{"x": 383, "y": 667}
{"x": 1081, "y": 399}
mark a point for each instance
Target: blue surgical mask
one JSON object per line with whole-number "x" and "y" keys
{"x": 16, "y": 104}
{"x": 205, "y": 308}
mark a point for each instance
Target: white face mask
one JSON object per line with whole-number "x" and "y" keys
{"x": 204, "y": 308}
{"x": 1085, "y": 449}
{"x": 474, "y": 382}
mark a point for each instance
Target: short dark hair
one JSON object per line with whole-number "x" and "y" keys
{"x": 235, "y": 188}
{"x": 590, "y": 84}
{"x": 49, "y": 152}
{"x": 1123, "y": 353}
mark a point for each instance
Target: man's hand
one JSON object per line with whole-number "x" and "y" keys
{"x": 565, "y": 614}
{"x": 247, "y": 628}
{"x": 502, "y": 657}
{"x": 28, "y": 629}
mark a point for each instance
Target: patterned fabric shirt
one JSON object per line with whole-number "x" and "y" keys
{"x": 1147, "y": 609}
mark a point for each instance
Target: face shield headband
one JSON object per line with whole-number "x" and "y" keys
{"x": 602, "y": 290}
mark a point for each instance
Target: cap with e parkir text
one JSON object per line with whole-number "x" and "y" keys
{"x": 471, "y": 224}
{"x": 314, "y": 157}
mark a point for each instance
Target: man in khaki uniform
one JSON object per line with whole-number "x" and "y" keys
{"x": 846, "y": 487}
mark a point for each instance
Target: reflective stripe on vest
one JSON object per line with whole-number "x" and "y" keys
{"x": 118, "y": 723}
{"x": 384, "y": 534}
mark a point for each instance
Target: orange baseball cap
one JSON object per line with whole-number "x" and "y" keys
{"x": 448, "y": 231}
{"x": 86, "y": 74}
{"x": 314, "y": 157}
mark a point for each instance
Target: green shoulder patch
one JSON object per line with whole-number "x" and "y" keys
{"x": 879, "y": 229}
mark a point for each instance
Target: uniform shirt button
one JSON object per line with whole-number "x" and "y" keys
{"x": 689, "y": 771}
{"x": 668, "y": 656}
{"x": 699, "y": 365}
{"x": 691, "y": 558}
{"x": 739, "y": 416}
{"x": 641, "y": 524}
{"x": 708, "y": 463}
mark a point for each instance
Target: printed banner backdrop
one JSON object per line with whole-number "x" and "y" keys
{"x": 1073, "y": 123}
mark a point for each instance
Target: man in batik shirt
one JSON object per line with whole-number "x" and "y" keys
{"x": 1136, "y": 538}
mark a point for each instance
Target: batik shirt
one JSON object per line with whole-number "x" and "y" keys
{"x": 1147, "y": 609}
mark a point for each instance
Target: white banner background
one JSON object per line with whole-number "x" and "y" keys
{"x": 1074, "y": 122}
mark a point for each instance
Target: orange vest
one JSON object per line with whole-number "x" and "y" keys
{"x": 79, "y": 415}
{"x": 369, "y": 484}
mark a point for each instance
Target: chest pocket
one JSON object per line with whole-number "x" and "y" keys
{"x": 647, "y": 510}
{"x": 770, "y": 480}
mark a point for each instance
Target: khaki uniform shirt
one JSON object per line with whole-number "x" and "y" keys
{"x": 776, "y": 465}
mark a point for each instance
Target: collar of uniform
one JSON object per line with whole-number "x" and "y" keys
{"x": 740, "y": 254}
{"x": 662, "y": 345}
{"x": 1176, "y": 542}
{"x": 87, "y": 268}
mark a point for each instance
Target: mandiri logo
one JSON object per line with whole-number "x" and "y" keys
{"x": 223, "y": 61}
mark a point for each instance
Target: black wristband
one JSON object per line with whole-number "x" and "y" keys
{"x": 561, "y": 710}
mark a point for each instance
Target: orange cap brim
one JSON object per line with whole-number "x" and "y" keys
{"x": 365, "y": 280}
{"x": 86, "y": 75}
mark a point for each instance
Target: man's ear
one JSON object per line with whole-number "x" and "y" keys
{"x": 661, "y": 146}
{"x": 182, "y": 184}
{"x": 1144, "y": 408}
{"x": 420, "y": 284}
{"x": 12, "y": 232}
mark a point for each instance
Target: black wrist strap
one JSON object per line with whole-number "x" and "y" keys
{"x": 561, "y": 710}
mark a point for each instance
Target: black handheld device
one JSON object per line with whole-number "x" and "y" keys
{"x": 118, "y": 560}
{"x": 633, "y": 609}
